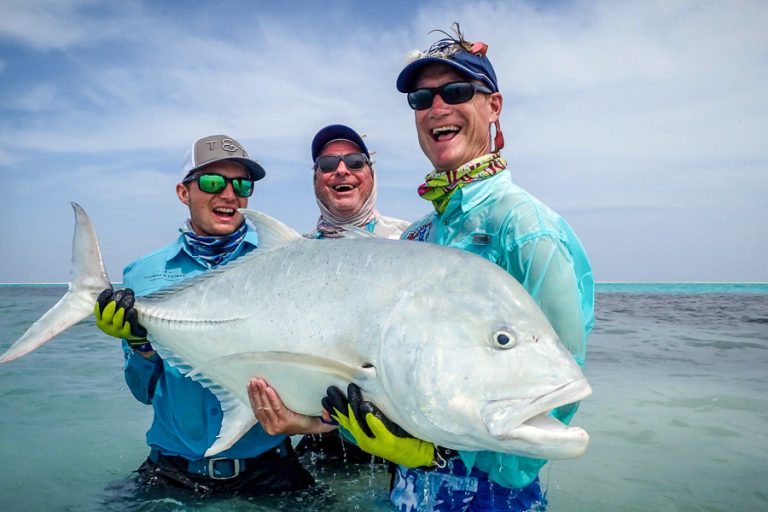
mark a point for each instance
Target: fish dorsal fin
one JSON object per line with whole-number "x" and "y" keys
{"x": 352, "y": 231}
{"x": 272, "y": 232}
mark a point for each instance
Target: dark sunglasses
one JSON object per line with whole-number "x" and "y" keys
{"x": 353, "y": 161}
{"x": 215, "y": 183}
{"x": 453, "y": 94}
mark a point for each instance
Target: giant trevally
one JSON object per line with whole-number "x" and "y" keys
{"x": 446, "y": 343}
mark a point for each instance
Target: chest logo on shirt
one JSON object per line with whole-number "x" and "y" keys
{"x": 420, "y": 234}
{"x": 165, "y": 275}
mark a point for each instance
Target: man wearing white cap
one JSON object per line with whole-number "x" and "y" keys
{"x": 217, "y": 178}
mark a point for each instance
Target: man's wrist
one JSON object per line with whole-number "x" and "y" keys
{"x": 141, "y": 345}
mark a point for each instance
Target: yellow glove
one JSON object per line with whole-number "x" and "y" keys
{"x": 116, "y": 316}
{"x": 374, "y": 432}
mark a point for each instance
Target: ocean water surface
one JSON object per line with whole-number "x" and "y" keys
{"x": 678, "y": 419}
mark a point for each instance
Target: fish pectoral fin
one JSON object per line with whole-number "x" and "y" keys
{"x": 271, "y": 360}
{"x": 237, "y": 419}
{"x": 299, "y": 379}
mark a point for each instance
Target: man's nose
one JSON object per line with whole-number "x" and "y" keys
{"x": 439, "y": 106}
{"x": 342, "y": 168}
{"x": 229, "y": 191}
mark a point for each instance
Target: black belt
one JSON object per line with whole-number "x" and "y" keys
{"x": 219, "y": 468}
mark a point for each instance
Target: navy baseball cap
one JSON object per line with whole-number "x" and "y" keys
{"x": 336, "y": 132}
{"x": 467, "y": 58}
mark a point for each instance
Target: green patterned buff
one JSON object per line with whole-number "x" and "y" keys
{"x": 440, "y": 186}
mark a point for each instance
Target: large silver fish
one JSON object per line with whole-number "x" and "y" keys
{"x": 447, "y": 344}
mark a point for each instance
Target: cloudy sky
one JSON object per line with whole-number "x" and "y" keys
{"x": 645, "y": 123}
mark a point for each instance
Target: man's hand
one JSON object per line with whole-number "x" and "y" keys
{"x": 374, "y": 432}
{"x": 116, "y": 316}
{"x": 275, "y": 417}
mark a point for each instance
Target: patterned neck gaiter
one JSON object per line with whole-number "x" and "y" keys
{"x": 213, "y": 250}
{"x": 440, "y": 186}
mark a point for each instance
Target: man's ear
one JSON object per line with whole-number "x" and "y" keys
{"x": 183, "y": 192}
{"x": 496, "y": 102}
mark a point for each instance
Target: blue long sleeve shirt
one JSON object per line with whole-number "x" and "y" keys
{"x": 503, "y": 223}
{"x": 187, "y": 416}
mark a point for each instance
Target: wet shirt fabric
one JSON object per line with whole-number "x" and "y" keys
{"x": 503, "y": 223}
{"x": 187, "y": 416}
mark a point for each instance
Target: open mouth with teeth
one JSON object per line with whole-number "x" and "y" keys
{"x": 224, "y": 211}
{"x": 344, "y": 187}
{"x": 444, "y": 133}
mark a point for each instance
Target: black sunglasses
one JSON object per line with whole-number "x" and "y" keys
{"x": 216, "y": 183}
{"x": 453, "y": 94}
{"x": 353, "y": 161}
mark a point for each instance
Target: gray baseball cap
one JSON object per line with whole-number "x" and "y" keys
{"x": 215, "y": 148}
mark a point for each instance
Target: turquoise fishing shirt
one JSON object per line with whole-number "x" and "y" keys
{"x": 187, "y": 416}
{"x": 503, "y": 223}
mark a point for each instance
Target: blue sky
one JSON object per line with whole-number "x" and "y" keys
{"x": 645, "y": 123}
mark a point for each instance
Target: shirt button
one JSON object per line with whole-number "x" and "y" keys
{"x": 214, "y": 412}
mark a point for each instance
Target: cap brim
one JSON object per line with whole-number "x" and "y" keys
{"x": 406, "y": 80}
{"x": 336, "y": 132}
{"x": 256, "y": 171}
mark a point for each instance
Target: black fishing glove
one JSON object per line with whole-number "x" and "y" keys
{"x": 116, "y": 316}
{"x": 373, "y": 431}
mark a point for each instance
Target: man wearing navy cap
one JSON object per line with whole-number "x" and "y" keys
{"x": 345, "y": 186}
{"x": 452, "y": 88}
{"x": 345, "y": 190}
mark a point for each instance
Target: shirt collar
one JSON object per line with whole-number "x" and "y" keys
{"x": 473, "y": 194}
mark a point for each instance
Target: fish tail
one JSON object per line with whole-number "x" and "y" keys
{"x": 88, "y": 279}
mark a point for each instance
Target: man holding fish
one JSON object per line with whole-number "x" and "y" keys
{"x": 217, "y": 178}
{"x": 345, "y": 190}
{"x": 453, "y": 90}
{"x": 215, "y": 234}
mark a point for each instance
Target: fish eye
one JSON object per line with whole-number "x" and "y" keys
{"x": 504, "y": 338}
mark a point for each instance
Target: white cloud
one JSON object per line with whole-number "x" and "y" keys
{"x": 609, "y": 106}
{"x": 44, "y": 24}
{"x": 35, "y": 99}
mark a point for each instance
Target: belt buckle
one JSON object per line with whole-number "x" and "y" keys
{"x": 212, "y": 466}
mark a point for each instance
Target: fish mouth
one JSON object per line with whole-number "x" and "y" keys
{"x": 527, "y": 421}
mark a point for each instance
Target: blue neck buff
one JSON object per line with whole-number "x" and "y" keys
{"x": 213, "y": 250}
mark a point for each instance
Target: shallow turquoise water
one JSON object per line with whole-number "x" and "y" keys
{"x": 678, "y": 418}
